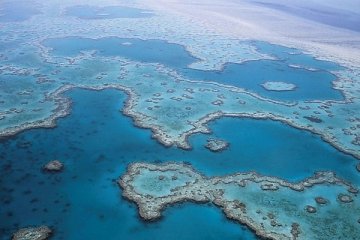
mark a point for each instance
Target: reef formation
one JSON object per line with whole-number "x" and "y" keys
{"x": 33, "y": 233}
{"x": 53, "y": 166}
{"x": 278, "y": 86}
{"x": 216, "y": 145}
{"x": 320, "y": 207}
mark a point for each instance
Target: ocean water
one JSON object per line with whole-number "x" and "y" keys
{"x": 96, "y": 143}
{"x": 250, "y": 76}
{"x": 274, "y": 149}
{"x": 18, "y": 10}
{"x": 93, "y": 12}
{"x": 311, "y": 84}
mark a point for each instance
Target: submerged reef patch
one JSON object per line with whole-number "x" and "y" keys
{"x": 278, "y": 86}
{"x": 216, "y": 145}
{"x": 285, "y": 212}
{"x": 53, "y": 166}
{"x": 33, "y": 233}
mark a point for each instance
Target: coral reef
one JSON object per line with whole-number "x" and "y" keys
{"x": 271, "y": 207}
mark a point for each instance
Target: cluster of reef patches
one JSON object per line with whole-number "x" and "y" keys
{"x": 271, "y": 207}
{"x": 174, "y": 107}
{"x": 41, "y": 232}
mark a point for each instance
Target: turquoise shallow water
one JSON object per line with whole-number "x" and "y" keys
{"x": 96, "y": 143}
{"x": 311, "y": 85}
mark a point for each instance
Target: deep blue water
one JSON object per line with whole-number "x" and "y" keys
{"x": 275, "y": 149}
{"x": 311, "y": 85}
{"x": 109, "y": 12}
{"x": 330, "y": 16}
{"x": 96, "y": 142}
{"x": 18, "y": 10}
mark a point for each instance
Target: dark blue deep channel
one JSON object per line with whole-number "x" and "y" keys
{"x": 96, "y": 143}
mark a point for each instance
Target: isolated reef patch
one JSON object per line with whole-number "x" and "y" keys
{"x": 53, "y": 166}
{"x": 278, "y": 86}
{"x": 216, "y": 145}
{"x": 33, "y": 233}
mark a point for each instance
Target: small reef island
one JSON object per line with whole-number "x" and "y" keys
{"x": 271, "y": 207}
{"x": 278, "y": 86}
